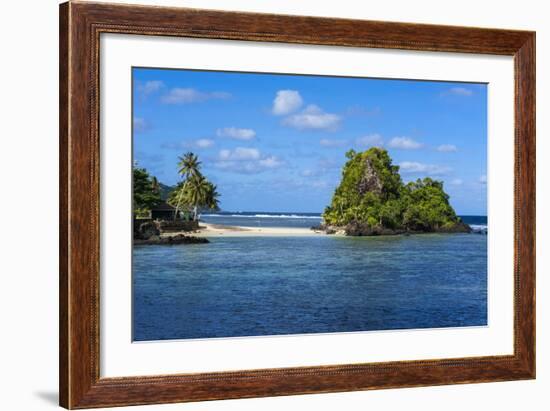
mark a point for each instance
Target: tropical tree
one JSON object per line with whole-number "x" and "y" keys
{"x": 178, "y": 197}
{"x": 197, "y": 190}
{"x": 212, "y": 197}
{"x": 372, "y": 193}
{"x": 145, "y": 196}
{"x": 194, "y": 191}
{"x": 188, "y": 165}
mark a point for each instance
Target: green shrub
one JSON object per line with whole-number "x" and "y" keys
{"x": 371, "y": 192}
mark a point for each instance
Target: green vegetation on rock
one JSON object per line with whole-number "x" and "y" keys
{"x": 372, "y": 199}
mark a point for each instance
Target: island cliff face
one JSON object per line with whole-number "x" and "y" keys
{"x": 373, "y": 200}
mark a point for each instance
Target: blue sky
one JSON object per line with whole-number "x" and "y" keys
{"x": 276, "y": 142}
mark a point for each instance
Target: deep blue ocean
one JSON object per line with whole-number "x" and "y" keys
{"x": 251, "y": 286}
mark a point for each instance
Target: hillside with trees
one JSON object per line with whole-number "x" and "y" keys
{"x": 372, "y": 199}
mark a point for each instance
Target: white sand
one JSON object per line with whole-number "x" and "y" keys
{"x": 217, "y": 230}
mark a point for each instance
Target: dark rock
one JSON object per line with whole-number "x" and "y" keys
{"x": 358, "y": 229}
{"x": 172, "y": 240}
{"x": 370, "y": 180}
{"x": 325, "y": 228}
{"x": 173, "y": 226}
{"x": 320, "y": 227}
{"x": 147, "y": 230}
{"x": 459, "y": 227}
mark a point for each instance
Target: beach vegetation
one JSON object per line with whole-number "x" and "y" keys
{"x": 188, "y": 165}
{"x": 371, "y": 194}
{"x": 146, "y": 192}
{"x": 194, "y": 192}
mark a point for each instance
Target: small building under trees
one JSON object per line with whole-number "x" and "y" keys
{"x": 163, "y": 211}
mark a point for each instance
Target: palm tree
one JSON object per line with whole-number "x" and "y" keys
{"x": 197, "y": 190}
{"x": 212, "y": 197}
{"x": 194, "y": 191}
{"x": 177, "y": 198}
{"x": 188, "y": 165}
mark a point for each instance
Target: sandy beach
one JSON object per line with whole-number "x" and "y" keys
{"x": 218, "y": 230}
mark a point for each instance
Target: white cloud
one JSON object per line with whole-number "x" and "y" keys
{"x": 447, "y": 148}
{"x": 240, "y": 153}
{"x": 191, "y": 95}
{"x": 286, "y": 102}
{"x": 327, "y": 142}
{"x": 323, "y": 167}
{"x": 187, "y": 144}
{"x": 140, "y": 125}
{"x": 460, "y": 91}
{"x": 203, "y": 143}
{"x": 456, "y": 182}
{"x": 246, "y": 161}
{"x": 313, "y": 117}
{"x": 483, "y": 179}
{"x": 149, "y": 87}
{"x": 236, "y": 133}
{"x": 404, "y": 143}
{"x": 412, "y": 167}
{"x": 374, "y": 140}
{"x": 270, "y": 162}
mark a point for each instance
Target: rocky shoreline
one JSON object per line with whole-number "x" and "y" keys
{"x": 355, "y": 229}
{"x": 152, "y": 233}
{"x": 171, "y": 240}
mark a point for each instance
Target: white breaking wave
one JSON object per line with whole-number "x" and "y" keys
{"x": 478, "y": 227}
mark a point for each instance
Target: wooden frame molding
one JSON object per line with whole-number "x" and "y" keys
{"x": 81, "y": 24}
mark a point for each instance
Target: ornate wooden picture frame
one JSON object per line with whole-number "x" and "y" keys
{"x": 81, "y": 25}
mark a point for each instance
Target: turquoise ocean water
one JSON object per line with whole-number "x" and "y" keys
{"x": 252, "y": 286}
